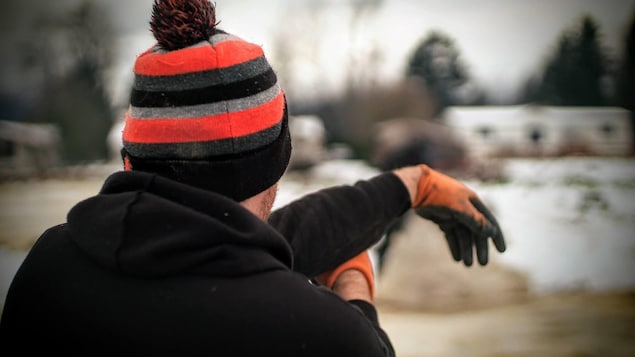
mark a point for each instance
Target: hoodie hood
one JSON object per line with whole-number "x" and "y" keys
{"x": 146, "y": 225}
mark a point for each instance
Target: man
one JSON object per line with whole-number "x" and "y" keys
{"x": 179, "y": 254}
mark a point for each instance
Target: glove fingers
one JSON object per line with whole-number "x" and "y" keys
{"x": 481, "y": 250}
{"x": 496, "y": 233}
{"x": 446, "y": 217}
{"x": 453, "y": 243}
{"x": 464, "y": 234}
{"x": 465, "y": 242}
{"x": 480, "y": 206}
{"x": 459, "y": 233}
{"x": 499, "y": 241}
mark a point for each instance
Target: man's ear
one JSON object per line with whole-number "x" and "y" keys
{"x": 127, "y": 166}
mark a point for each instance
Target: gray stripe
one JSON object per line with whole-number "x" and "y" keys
{"x": 222, "y": 37}
{"x": 157, "y": 49}
{"x": 214, "y": 40}
{"x": 196, "y": 80}
{"x": 207, "y": 149}
{"x": 195, "y": 111}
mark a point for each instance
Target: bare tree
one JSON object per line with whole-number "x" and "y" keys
{"x": 436, "y": 62}
{"x": 71, "y": 52}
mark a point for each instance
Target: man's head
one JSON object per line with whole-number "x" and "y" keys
{"x": 205, "y": 107}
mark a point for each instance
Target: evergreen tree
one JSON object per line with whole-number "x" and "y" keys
{"x": 626, "y": 78}
{"x": 577, "y": 73}
{"x": 72, "y": 51}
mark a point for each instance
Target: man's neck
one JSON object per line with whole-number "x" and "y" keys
{"x": 260, "y": 204}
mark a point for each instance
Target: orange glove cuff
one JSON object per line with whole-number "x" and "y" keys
{"x": 428, "y": 178}
{"x": 360, "y": 262}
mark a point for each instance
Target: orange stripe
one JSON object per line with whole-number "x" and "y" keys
{"x": 207, "y": 128}
{"x": 193, "y": 59}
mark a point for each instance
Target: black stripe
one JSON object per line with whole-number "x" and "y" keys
{"x": 201, "y": 79}
{"x": 211, "y": 94}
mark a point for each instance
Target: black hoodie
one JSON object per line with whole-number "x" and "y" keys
{"x": 150, "y": 266}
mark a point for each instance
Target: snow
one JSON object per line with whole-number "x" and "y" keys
{"x": 569, "y": 223}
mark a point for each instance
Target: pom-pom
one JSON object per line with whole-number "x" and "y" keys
{"x": 177, "y": 24}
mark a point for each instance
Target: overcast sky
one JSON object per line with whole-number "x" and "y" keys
{"x": 501, "y": 41}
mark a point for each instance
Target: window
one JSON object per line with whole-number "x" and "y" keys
{"x": 536, "y": 135}
{"x": 485, "y": 132}
{"x": 607, "y": 129}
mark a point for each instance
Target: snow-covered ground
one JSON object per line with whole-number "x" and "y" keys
{"x": 569, "y": 223}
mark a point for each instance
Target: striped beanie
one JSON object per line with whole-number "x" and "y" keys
{"x": 206, "y": 108}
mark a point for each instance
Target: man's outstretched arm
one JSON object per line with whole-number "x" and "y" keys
{"x": 330, "y": 226}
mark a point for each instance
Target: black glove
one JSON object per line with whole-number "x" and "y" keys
{"x": 460, "y": 214}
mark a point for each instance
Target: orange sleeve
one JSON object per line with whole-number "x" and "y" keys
{"x": 360, "y": 262}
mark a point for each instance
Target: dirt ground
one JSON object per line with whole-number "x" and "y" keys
{"x": 573, "y": 324}
{"x": 429, "y": 305}
{"x": 432, "y": 306}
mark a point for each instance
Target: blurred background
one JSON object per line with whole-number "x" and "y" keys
{"x": 529, "y": 102}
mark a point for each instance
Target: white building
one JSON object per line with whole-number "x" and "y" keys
{"x": 542, "y": 130}
{"x": 308, "y": 136}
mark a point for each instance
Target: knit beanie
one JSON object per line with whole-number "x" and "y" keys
{"x": 205, "y": 108}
